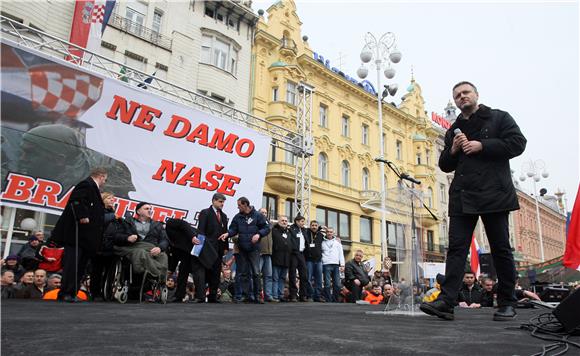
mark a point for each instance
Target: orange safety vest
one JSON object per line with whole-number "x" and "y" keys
{"x": 53, "y": 295}
{"x": 374, "y": 299}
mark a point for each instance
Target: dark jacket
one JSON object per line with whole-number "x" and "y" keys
{"x": 180, "y": 233}
{"x": 209, "y": 226}
{"x": 353, "y": 270}
{"x": 470, "y": 296}
{"x": 281, "y": 246}
{"x": 107, "y": 244}
{"x": 30, "y": 292}
{"x": 28, "y": 251}
{"x": 246, "y": 226}
{"x": 120, "y": 230}
{"x": 482, "y": 182}
{"x": 85, "y": 202}
{"x": 295, "y": 240}
{"x": 313, "y": 254}
{"x": 486, "y": 298}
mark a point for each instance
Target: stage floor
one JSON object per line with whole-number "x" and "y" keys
{"x": 50, "y": 328}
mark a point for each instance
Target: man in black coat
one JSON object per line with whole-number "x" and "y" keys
{"x": 281, "y": 250}
{"x": 213, "y": 223}
{"x": 80, "y": 230}
{"x": 355, "y": 276}
{"x": 478, "y": 147}
{"x": 297, "y": 261}
{"x": 313, "y": 257}
{"x": 181, "y": 234}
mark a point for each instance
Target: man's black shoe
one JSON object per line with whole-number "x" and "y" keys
{"x": 292, "y": 300}
{"x": 505, "y": 313}
{"x": 439, "y": 309}
{"x": 197, "y": 300}
{"x": 214, "y": 301}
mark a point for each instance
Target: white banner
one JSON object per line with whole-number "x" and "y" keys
{"x": 157, "y": 151}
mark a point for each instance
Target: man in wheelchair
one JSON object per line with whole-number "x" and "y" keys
{"x": 143, "y": 241}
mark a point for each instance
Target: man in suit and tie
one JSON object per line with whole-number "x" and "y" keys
{"x": 213, "y": 223}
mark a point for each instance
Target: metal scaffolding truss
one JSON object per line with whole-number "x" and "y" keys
{"x": 28, "y": 37}
{"x": 302, "y": 187}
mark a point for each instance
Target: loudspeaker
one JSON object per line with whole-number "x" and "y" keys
{"x": 486, "y": 265}
{"x": 551, "y": 294}
{"x": 568, "y": 311}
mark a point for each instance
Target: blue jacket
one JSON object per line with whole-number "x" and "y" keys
{"x": 246, "y": 226}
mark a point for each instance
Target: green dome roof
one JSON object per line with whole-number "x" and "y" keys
{"x": 278, "y": 64}
{"x": 411, "y": 87}
{"x": 419, "y": 137}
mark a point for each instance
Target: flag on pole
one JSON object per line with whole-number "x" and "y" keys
{"x": 572, "y": 252}
{"x": 123, "y": 74}
{"x": 474, "y": 262}
{"x": 89, "y": 22}
{"x": 147, "y": 81}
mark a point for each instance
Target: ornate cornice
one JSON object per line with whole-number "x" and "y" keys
{"x": 323, "y": 143}
{"x": 346, "y": 152}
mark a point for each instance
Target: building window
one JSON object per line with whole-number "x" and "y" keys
{"x": 220, "y": 53}
{"x": 365, "y": 179}
{"x": 345, "y": 126}
{"x": 345, "y": 173}
{"x": 157, "y": 20}
{"x": 136, "y": 19}
{"x": 430, "y": 197}
{"x": 323, "y": 116}
{"x": 273, "y": 151}
{"x": 336, "y": 219}
{"x": 442, "y": 193}
{"x": 289, "y": 156}
{"x": 366, "y": 229}
{"x": 428, "y": 157}
{"x": 322, "y": 166}
{"x": 396, "y": 235}
{"x": 365, "y": 135}
{"x": 270, "y": 202}
{"x": 290, "y": 211}
{"x": 291, "y": 93}
{"x": 275, "y": 94}
{"x": 430, "y": 241}
{"x": 419, "y": 161}
{"x": 399, "y": 149}
{"x": 209, "y": 12}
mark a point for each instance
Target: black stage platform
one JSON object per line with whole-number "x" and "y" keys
{"x": 50, "y": 328}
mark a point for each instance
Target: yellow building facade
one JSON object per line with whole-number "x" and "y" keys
{"x": 346, "y": 141}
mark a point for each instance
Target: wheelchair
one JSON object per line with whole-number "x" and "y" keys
{"x": 122, "y": 282}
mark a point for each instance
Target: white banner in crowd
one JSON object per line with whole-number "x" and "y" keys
{"x": 59, "y": 121}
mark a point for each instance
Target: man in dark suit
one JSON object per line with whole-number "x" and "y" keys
{"x": 213, "y": 223}
{"x": 80, "y": 230}
{"x": 181, "y": 234}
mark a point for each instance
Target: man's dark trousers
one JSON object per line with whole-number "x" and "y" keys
{"x": 460, "y": 235}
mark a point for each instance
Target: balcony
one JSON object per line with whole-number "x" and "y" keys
{"x": 138, "y": 30}
{"x": 288, "y": 46}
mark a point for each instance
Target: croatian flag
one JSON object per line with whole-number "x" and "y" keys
{"x": 572, "y": 252}
{"x": 475, "y": 266}
{"x": 89, "y": 22}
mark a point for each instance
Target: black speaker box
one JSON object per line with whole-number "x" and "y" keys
{"x": 486, "y": 264}
{"x": 568, "y": 311}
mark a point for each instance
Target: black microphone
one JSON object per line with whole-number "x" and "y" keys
{"x": 409, "y": 178}
{"x": 378, "y": 159}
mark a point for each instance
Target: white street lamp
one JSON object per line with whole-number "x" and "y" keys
{"x": 532, "y": 169}
{"x": 384, "y": 52}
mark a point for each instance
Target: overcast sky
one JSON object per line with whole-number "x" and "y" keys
{"x": 522, "y": 56}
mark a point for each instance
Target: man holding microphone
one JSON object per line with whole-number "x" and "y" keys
{"x": 478, "y": 147}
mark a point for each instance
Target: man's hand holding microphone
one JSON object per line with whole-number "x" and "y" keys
{"x": 460, "y": 142}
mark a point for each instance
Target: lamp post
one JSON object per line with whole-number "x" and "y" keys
{"x": 384, "y": 52}
{"x": 531, "y": 169}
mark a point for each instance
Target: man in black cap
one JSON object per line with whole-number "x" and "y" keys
{"x": 297, "y": 261}
{"x": 144, "y": 242}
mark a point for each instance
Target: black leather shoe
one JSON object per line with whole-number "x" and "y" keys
{"x": 197, "y": 300}
{"x": 505, "y": 313}
{"x": 214, "y": 301}
{"x": 438, "y": 308}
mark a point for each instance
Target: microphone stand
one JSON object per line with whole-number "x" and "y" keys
{"x": 414, "y": 255}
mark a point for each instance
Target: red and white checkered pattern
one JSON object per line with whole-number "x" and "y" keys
{"x": 64, "y": 92}
{"x": 98, "y": 14}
